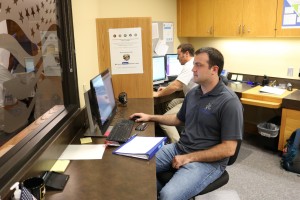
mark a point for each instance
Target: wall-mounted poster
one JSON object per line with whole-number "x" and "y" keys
{"x": 126, "y": 54}
{"x": 291, "y": 14}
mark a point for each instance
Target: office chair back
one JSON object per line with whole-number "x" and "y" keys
{"x": 164, "y": 177}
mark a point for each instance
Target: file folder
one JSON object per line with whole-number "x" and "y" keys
{"x": 141, "y": 147}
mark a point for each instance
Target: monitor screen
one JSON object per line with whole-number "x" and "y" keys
{"x": 29, "y": 64}
{"x": 173, "y": 66}
{"x": 103, "y": 99}
{"x": 159, "y": 71}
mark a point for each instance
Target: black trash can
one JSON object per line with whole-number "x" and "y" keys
{"x": 269, "y": 133}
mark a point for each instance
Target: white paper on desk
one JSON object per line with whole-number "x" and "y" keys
{"x": 139, "y": 145}
{"x": 272, "y": 90}
{"x": 83, "y": 152}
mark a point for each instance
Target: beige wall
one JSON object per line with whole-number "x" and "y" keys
{"x": 84, "y": 19}
{"x": 270, "y": 56}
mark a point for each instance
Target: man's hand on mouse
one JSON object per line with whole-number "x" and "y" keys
{"x": 140, "y": 117}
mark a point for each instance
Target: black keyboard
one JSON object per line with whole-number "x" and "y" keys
{"x": 121, "y": 131}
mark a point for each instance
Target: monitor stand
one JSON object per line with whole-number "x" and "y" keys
{"x": 93, "y": 128}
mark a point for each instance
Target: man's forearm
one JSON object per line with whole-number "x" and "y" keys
{"x": 218, "y": 152}
{"x": 170, "y": 120}
{"x": 173, "y": 87}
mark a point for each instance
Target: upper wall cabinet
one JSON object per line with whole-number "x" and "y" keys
{"x": 195, "y": 18}
{"x": 230, "y": 18}
{"x": 284, "y": 32}
{"x": 259, "y": 18}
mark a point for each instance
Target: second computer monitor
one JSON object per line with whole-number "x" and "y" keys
{"x": 159, "y": 71}
{"x": 103, "y": 102}
{"x": 173, "y": 66}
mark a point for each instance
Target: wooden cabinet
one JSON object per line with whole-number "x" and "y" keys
{"x": 195, "y": 18}
{"x": 290, "y": 121}
{"x": 287, "y": 32}
{"x": 259, "y": 18}
{"x": 247, "y": 18}
{"x": 230, "y": 18}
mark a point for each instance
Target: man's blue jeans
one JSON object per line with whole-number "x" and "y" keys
{"x": 189, "y": 179}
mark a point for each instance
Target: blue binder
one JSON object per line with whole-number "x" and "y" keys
{"x": 141, "y": 147}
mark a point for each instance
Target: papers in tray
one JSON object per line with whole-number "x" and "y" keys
{"x": 272, "y": 90}
{"x": 141, "y": 147}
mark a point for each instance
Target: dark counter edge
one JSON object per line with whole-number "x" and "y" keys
{"x": 292, "y": 101}
{"x": 45, "y": 157}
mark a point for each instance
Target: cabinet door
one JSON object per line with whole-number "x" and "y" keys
{"x": 286, "y": 32}
{"x": 186, "y": 18}
{"x": 195, "y": 18}
{"x": 259, "y": 18}
{"x": 290, "y": 121}
{"x": 228, "y": 18}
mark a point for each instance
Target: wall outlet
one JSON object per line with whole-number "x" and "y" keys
{"x": 290, "y": 71}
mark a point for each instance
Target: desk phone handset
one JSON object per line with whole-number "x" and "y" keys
{"x": 141, "y": 127}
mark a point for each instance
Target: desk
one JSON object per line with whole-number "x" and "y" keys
{"x": 288, "y": 104}
{"x": 113, "y": 177}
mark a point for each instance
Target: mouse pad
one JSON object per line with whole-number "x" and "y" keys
{"x": 55, "y": 180}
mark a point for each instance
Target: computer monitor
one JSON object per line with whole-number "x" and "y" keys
{"x": 159, "y": 71}
{"x": 173, "y": 66}
{"x": 29, "y": 64}
{"x": 102, "y": 104}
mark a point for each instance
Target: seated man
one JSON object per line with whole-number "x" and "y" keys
{"x": 184, "y": 82}
{"x": 213, "y": 119}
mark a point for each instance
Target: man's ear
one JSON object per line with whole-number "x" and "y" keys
{"x": 215, "y": 69}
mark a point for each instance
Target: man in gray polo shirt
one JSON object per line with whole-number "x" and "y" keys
{"x": 213, "y": 119}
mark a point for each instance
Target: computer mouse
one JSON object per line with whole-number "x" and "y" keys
{"x": 135, "y": 118}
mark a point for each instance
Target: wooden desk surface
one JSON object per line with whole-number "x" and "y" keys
{"x": 113, "y": 177}
{"x": 239, "y": 88}
{"x": 256, "y": 98}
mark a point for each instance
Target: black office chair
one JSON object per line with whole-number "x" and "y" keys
{"x": 164, "y": 177}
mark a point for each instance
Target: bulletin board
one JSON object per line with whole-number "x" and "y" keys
{"x": 163, "y": 31}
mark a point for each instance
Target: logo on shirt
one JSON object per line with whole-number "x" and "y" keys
{"x": 208, "y": 106}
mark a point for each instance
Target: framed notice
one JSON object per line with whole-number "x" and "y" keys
{"x": 126, "y": 50}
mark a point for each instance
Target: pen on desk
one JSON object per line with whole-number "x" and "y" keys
{"x": 132, "y": 136}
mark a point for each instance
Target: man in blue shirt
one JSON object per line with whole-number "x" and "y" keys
{"x": 213, "y": 119}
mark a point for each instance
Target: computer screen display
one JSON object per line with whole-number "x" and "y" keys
{"x": 103, "y": 99}
{"x": 29, "y": 64}
{"x": 173, "y": 66}
{"x": 159, "y": 71}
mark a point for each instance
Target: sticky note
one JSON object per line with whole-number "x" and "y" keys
{"x": 60, "y": 166}
{"x": 86, "y": 140}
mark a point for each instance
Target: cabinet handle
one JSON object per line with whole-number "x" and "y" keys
{"x": 211, "y": 31}
{"x": 240, "y": 26}
{"x": 243, "y": 30}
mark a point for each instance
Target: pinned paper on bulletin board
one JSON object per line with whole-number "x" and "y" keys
{"x": 161, "y": 48}
{"x": 291, "y": 14}
{"x": 162, "y": 38}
